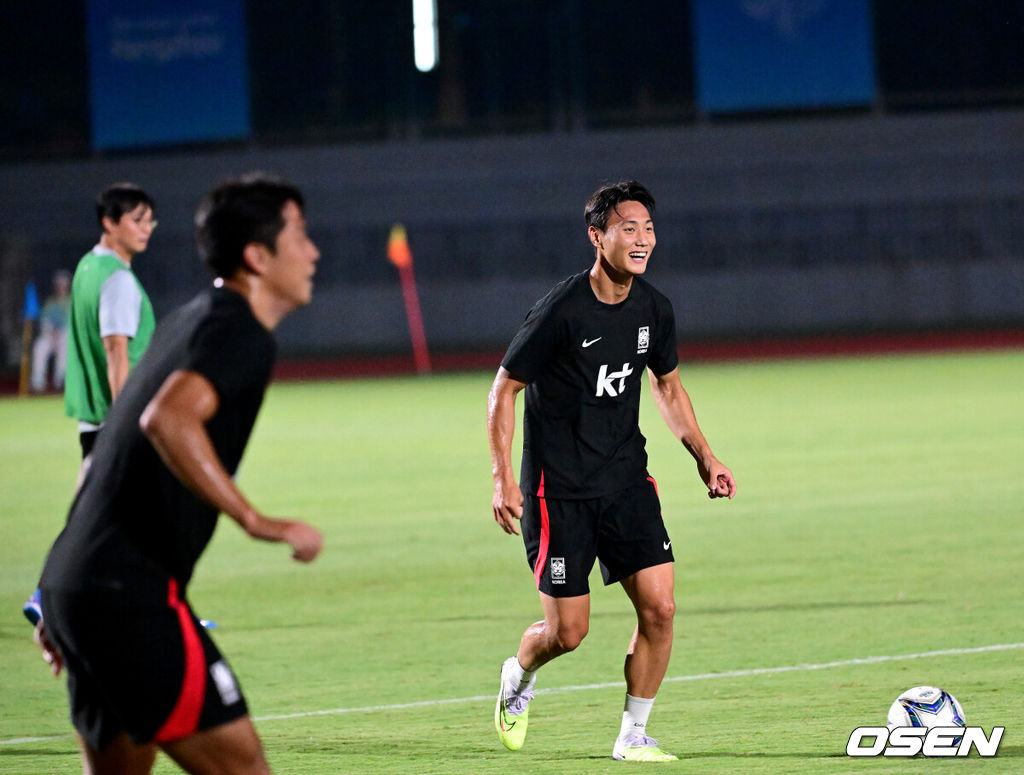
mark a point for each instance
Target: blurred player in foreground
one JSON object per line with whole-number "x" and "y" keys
{"x": 580, "y": 355}
{"x": 142, "y": 672}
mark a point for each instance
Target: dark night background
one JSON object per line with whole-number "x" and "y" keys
{"x": 326, "y": 71}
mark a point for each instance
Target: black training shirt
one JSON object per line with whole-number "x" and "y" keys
{"x": 134, "y": 524}
{"x": 583, "y": 362}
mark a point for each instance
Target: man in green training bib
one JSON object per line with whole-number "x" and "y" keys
{"x": 110, "y": 319}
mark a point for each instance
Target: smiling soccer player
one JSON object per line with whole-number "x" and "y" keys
{"x": 585, "y": 493}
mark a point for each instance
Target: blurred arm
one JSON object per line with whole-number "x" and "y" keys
{"x": 175, "y": 423}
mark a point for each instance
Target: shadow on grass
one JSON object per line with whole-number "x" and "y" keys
{"x": 725, "y": 610}
{"x": 30, "y": 750}
{"x": 23, "y": 632}
{"x": 819, "y": 606}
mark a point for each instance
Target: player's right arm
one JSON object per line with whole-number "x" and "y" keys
{"x": 507, "y": 503}
{"x": 175, "y": 423}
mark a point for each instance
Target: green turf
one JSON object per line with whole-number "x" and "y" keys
{"x": 879, "y": 514}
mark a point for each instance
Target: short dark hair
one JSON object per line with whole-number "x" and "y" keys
{"x": 120, "y": 198}
{"x": 607, "y": 199}
{"x": 240, "y": 211}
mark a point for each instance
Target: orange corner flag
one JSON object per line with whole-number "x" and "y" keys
{"x": 398, "y": 247}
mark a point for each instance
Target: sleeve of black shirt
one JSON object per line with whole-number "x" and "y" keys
{"x": 534, "y": 344}
{"x": 664, "y": 350}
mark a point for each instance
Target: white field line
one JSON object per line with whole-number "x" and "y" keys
{"x": 611, "y": 685}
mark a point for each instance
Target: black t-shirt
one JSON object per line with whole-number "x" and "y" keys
{"x": 134, "y": 524}
{"x": 583, "y": 362}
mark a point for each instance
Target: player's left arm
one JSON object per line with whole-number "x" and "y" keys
{"x": 115, "y": 347}
{"x": 677, "y": 410}
{"x": 175, "y": 423}
{"x": 119, "y": 313}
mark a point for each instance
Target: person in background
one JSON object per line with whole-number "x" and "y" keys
{"x": 52, "y": 342}
{"x": 111, "y": 318}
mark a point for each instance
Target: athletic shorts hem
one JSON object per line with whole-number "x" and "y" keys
{"x": 145, "y": 668}
{"x": 564, "y": 538}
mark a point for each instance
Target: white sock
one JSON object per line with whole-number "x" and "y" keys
{"x": 634, "y": 716}
{"x": 519, "y": 678}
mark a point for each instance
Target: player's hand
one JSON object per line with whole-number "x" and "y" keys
{"x": 719, "y": 480}
{"x": 507, "y": 506}
{"x": 306, "y": 541}
{"x": 51, "y": 656}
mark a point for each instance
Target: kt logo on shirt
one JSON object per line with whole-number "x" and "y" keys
{"x": 606, "y": 384}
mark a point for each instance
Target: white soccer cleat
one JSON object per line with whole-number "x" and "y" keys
{"x": 511, "y": 713}
{"x": 640, "y": 748}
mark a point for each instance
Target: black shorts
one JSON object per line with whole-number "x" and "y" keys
{"x": 145, "y": 668}
{"x": 87, "y": 440}
{"x": 624, "y": 531}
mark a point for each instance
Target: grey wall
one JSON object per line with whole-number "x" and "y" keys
{"x": 764, "y": 228}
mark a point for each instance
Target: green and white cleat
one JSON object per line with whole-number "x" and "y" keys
{"x": 640, "y": 748}
{"x": 511, "y": 714}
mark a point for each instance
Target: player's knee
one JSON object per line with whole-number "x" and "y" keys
{"x": 658, "y": 614}
{"x": 256, "y": 763}
{"x": 569, "y": 638}
{"x": 250, "y": 758}
{"x": 248, "y": 762}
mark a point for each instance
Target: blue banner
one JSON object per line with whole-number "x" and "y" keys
{"x": 783, "y": 54}
{"x": 167, "y": 72}
{"x": 30, "y": 311}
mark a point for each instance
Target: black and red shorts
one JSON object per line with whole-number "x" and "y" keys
{"x": 144, "y": 667}
{"x": 624, "y": 531}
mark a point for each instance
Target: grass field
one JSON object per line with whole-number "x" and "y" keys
{"x": 876, "y": 543}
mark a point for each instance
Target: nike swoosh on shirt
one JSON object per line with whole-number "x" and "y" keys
{"x": 588, "y": 342}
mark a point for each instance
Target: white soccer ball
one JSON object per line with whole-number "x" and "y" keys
{"x": 926, "y": 706}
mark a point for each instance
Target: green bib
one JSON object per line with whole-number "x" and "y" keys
{"x": 86, "y": 387}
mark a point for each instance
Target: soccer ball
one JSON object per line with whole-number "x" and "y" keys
{"x": 926, "y": 706}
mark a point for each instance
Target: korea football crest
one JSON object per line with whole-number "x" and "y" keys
{"x": 557, "y": 570}
{"x": 643, "y": 339}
